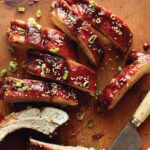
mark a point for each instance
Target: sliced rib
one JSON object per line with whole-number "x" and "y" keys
{"x": 44, "y": 121}
{"x": 123, "y": 81}
{"x": 31, "y": 35}
{"x": 62, "y": 70}
{"x": 26, "y": 90}
{"x": 38, "y": 145}
{"x": 78, "y": 30}
{"x": 113, "y": 27}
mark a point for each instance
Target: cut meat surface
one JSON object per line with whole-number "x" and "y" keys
{"x": 31, "y": 35}
{"x": 78, "y": 30}
{"x": 113, "y": 27}
{"x": 123, "y": 81}
{"x": 44, "y": 121}
{"x": 38, "y": 145}
{"x": 63, "y": 71}
{"x": 26, "y": 90}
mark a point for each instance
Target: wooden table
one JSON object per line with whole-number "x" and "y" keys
{"x": 136, "y": 14}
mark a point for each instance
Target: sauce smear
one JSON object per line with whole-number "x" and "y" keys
{"x": 13, "y": 3}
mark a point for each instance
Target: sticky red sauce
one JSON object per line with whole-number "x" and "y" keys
{"x": 113, "y": 27}
{"x": 79, "y": 75}
{"x": 37, "y": 90}
{"x": 13, "y": 3}
{"x": 34, "y": 36}
{"x": 85, "y": 32}
{"x": 43, "y": 39}
{"x": 55, "y": 67}
{"x": 51, "y": 67}
{"x": 56, "y": 39}
{"x": 80, "y": 29}
{"x": 62, "y": 11}
{"x": 122, "y": 79}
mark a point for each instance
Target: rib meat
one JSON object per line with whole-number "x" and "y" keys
{"x": 123, "y": 81}
{"x": 44, "y": 121}
{"x": 113, "y": 27}
{"x": 26, "y": 90}
{"x": 78, "y": 30}
{"x": 61, "y": 70}
{"x": 38, "y": 145}
{"x": 32, "y": 35}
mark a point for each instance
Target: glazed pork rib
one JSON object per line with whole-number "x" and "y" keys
{"x": 114, "y": 28}
{"x": 123, "y": 81}
{"x": 62, "y": 70}
{"x": 44, "y": 121}
{"x": 38, "y": 145}
{"x": 78, "y": 30}
{"x": 31, "y": 35}
{"x": 26, "y": 90}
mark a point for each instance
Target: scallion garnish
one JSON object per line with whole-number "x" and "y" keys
{"x": 3, "y": 73}
{"x": 66, "y": 73}
{"x": 21, "y": 9}
{"x": 38, "y": 13}
{"x": 92, "y": 39}
{"x": 120, "y": 68}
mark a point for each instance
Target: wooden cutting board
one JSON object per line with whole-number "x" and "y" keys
{"x": 136, "y": 14}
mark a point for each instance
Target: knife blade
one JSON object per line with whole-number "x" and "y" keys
{"x": 129, "y": 138}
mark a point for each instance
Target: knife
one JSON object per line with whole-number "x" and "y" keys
{"x": 129, "y": 138}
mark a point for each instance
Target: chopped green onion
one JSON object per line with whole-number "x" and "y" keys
{"x": 92, "y": 39}
{"x": 86, "y": 84}
{"x": 21, "y": 31}
{"x": 3, "y": 73}
{"x": 38, "y": 13}
{"x": 38, "y": 26}
{"x": 120, "y": 68}
{"x": 13, "y": 66}
{"x": 54, "y": 50}
{"x": 92, "y": 3}
{"x": 98, "y": 20}
{"x": 66, "y": 73}
{"x": 25, "y": 88}
{"x": 43, "y": 65}
{"x": 34, "y": 23}
{"x": 72, "y": 19}
{"x": 9, "y": 116}
{"x": 43, "y": 74}
{"x": 21, "y": 9}
{"x": 19, "y": 84}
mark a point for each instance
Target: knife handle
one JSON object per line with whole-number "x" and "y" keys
{"x": 142, "y": 112}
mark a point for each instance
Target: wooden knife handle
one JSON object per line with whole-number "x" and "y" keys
{"x": 143, "y": 111}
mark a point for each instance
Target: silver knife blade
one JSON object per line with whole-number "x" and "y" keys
{"x": 128, "y": 139}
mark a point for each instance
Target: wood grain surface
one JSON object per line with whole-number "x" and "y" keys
{"x": 136, "y": 13}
